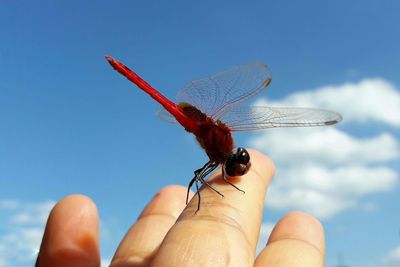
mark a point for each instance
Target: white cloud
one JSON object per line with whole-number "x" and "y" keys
{"x": 339, "y": 180}
{"x": 23, "y": 230}
{"x": 327, "y": 144}
{"x": 367, "y": 100}
{"x": 33, "y": 213}
{"x": 313, "y": 201}
{"x": 392, "y": 259}
{"x": 104, "y": 262}
{"x": 325, "y": 170}
{"x": 21, "y": 245}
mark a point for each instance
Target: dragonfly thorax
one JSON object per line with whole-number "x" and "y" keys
{"x": 215, "y": 139}
{"x": 213, "y": 136}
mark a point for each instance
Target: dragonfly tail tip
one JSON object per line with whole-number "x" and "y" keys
{"x": 109, "y": 58}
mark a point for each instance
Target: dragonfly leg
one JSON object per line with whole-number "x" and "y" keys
{"x": 198, "y": 194}
{"x": 199, "y": 176}
{"x": 188, "y": 189}
{"x": 195, "y": 179}
{"x": 210, "y": 168}
{"x": 224, "y": 176}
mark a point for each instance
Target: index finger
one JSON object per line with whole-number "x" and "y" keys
{"x": 225, "y": 230}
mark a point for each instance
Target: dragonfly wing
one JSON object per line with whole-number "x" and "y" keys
{"x": 166, "y": 116}
{"x": 256, "y": 118}
{"x": 217, "y": 94}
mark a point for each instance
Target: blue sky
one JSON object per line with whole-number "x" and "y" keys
{"x": 70, "y": 124}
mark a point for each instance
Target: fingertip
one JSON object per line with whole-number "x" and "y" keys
{"x": 174, "y": 191}
{"x": 144, "y": 237}
{"x": 301, "y": 226}
{"x": 296, "y": 240}
{"x": 228, "y": 225}
{"x": 76, "y": 200}
{"x": 71, "y": 234}
{"x": 169, "y": 200}
{"x": 262, "y": 164}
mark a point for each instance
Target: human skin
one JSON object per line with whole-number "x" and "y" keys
{"x": 168, "y": 233}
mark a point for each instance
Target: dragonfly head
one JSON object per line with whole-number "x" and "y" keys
{"x": 238, "y": 162}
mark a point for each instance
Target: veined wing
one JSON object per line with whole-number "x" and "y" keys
{"x": 163, "y": 114}
{"x": 222, "y": 92}
{"x": 249, "y": 118}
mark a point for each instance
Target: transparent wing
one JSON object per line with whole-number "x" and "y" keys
{"x": 165, "y": 116}
{"x": 257, "y": 118}
{"x": 222, "y": 92}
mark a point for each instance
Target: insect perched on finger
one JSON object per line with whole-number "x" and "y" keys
{"x": 210, "y": 108}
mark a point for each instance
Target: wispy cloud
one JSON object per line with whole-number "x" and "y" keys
{"x": 325, "y": 171}
{"x": 368, "y": 100}
{"x": 327, "y": 145}
{"x": 105, "y": 262}
{"x": 21, "y": 231}
{"x": 32, "y": 213}
{"x": 22, "y": 226}
{"x": 9, "y": 204}
{"x": 392, "y": 259}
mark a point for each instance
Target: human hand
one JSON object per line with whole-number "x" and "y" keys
{"x": 223, "y": 233}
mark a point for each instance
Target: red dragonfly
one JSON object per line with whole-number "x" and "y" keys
{"x": 210, "y": 108}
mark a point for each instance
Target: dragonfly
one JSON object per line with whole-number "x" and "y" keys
{"x": 211, "y": 109}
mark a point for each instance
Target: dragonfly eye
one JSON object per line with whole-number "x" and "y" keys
{"x": 238, "y": 162}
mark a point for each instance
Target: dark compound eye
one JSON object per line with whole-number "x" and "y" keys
{"x": 243, "y": 155}
{"x": 238, "y": 162}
